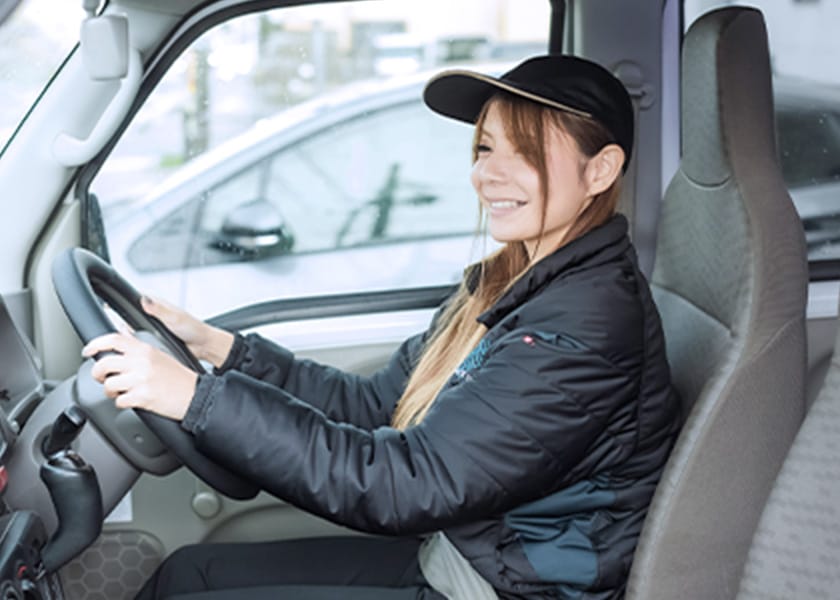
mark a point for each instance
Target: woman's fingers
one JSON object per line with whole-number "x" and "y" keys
{"x": 107, "y": 365}
{"x": 138, "y": 375}
{"x": 110, "y": 342}
{"x": 129, "y": 399}
{"x": 191, "y": 330}
{"x": 115, "y": 354}
{"x": 163, "y": 310}
{"x": 118, "y": 384}
{"x": 152, "y": 306}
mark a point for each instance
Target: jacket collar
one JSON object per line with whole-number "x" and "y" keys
{"x": 599, "y": 245}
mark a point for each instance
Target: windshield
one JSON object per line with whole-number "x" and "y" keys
{"x": 35, "y": 39}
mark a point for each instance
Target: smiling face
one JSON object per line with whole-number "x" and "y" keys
{"x": 510, "y": 185}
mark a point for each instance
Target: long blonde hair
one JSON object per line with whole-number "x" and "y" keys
{"x": 457, "y": 331}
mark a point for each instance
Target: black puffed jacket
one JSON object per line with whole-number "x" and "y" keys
{"x": 538, "y": 458}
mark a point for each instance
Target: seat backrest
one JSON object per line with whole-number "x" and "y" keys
{"x": 730, "y": 280}
{"x": 796, "y": 550}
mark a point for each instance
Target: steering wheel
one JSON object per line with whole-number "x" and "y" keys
{"x": 82, "y": 281}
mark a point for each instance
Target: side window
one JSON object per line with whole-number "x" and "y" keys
{"x": 326, "y": 191}
{"x": 285, "y": 144}
{"x": 806, "y": 89}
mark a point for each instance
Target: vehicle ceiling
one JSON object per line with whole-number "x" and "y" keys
{"x": 182, "y": 7}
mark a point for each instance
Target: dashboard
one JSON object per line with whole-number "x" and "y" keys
{"x": 21, "y": 385}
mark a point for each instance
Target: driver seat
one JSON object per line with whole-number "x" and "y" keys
{"x": 730, "y": 280}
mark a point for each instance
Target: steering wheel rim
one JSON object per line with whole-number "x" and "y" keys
{"x": 81, "y": 279}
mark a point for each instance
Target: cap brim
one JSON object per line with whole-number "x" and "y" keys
{"x": 461, "y": 94}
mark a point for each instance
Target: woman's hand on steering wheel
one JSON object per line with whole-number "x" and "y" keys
{"x": 204, "y": 341}
{"x": 138, "y": 375}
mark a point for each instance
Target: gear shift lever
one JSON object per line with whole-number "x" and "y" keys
{"x": 65, "y": 429}
{"x": 74, "y": 490}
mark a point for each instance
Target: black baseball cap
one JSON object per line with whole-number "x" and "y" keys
{"x": 568, "y": 83}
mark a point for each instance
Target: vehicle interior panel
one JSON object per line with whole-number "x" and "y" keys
{"x": 732, "y": 199}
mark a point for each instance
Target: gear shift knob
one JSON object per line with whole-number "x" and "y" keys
{"x": 74, "y": 490}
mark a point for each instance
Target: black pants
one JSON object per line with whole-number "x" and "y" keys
{"x": 306, "y": 569}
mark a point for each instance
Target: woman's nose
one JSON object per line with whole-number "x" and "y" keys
{"x": 491, "y": 169}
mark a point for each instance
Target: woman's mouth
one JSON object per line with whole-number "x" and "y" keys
{"x": 503, "y": 207}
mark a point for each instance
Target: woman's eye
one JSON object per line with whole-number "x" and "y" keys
{"x": 481, "y": 148}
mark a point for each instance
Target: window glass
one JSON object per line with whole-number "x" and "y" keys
{"x": 291, "y": 151}
{"x": 331, "y": 190}
{"x": 37, "y": 37}
{"x": 806, "y": 88}
{"x": 809, "y": 140}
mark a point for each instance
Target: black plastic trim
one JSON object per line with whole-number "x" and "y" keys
{"x": 318, "y": 307}
{"x": 824, "y": 270}
{"x": 557, "y": 26}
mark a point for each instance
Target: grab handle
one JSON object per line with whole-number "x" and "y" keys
{"x": 71, "y": 151}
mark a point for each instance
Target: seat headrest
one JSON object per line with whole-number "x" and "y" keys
{"x": 719, "y": 121}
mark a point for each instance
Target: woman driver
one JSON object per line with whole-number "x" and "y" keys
{"x": 509, "y": 451}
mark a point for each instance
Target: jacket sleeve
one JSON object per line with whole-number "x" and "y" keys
{"x": 509, "y": 432}
{"x": 364, "y": 401}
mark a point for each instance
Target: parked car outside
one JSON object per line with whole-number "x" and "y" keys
{"x": 288, "y": 197}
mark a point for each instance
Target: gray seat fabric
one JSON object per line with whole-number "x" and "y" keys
{"x": 796, "y": 549}
{"x": 730, "y": 280}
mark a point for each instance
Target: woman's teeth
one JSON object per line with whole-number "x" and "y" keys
{"x": 500, "y": 204}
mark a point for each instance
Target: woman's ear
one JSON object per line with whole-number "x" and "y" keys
{"x": 603, "y": 169}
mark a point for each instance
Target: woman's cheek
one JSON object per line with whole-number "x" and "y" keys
{"x": 474, "y": 175}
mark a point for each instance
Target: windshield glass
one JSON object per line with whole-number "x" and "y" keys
{"x": 35, "y": 39}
